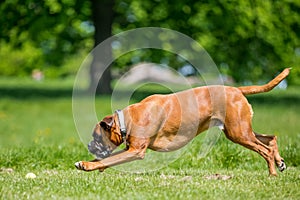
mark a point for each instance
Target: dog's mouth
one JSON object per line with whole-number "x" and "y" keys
{"x": 99, "y": 150}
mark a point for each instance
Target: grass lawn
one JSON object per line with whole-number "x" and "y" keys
{"x": 37, "y": 134}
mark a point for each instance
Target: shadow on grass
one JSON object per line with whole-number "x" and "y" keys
{"x": 138, "y": 95}
{"x": 34, "y": 93}
{"x": 289, "y": 100}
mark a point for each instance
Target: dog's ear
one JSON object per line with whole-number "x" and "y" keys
{"x": 107, "y": 122}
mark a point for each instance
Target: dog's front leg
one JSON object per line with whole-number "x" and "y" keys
{"x": 136, "y": 151}
{"x": 123, "y": 157}
{"x": 115, "y": 153}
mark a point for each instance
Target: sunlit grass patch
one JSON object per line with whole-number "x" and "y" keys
{"x": 38, "y": 135}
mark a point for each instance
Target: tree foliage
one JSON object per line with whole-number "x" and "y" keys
{"x": 248, "y": 40}
{"x": 54, "y": 29}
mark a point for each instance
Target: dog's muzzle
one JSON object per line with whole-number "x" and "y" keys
{"x": 99, "y": 149}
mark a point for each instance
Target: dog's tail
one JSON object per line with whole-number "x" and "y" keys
{"x": 254, "y": 89}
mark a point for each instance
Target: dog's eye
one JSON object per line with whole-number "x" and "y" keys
{"x": 106, "y": 128}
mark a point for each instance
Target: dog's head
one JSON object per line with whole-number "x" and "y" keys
{"x": 101, "y": 146}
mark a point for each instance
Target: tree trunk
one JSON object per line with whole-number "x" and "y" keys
{"x": 102, "y": 11}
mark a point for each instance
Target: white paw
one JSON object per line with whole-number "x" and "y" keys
{"x": 282, "y": 166}
{"x": 79, "y": 165}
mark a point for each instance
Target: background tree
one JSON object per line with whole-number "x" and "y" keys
{"x": 55, "y": 30}
{"x": 248, "y": 40}
{"x": 103, "y": 14}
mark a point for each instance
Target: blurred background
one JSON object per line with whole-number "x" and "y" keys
{"x": 248, "y": 40}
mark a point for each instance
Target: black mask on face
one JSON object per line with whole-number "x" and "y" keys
{"x": 100, "y": 146}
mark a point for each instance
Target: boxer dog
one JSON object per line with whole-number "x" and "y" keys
{"x": 168, "y": 122}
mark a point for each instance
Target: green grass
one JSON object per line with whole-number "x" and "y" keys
{"x": 37, "y": 134}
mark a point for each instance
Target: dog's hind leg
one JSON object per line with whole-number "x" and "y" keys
{"x": 238, "y": 128}
{"x": 271, "y": 141}
{"x": 246, "y": 138}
